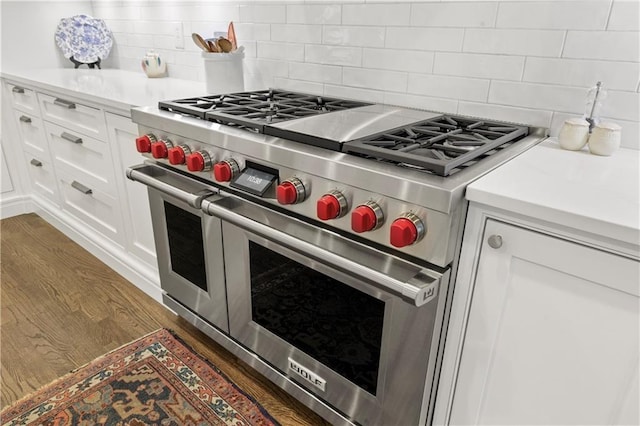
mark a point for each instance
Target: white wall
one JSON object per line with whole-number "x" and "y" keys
{"x": 27, "y": 32}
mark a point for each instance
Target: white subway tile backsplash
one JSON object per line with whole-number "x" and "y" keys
{"x": 501, "y": 67}
{"x": 585, "y": 73}
{"x": 607, "y": 45}
{"x": 376, "y": 14}
{"x": 380, "y": 79}
{"x": 298, "y": 85}
{"x": 561, "y": 15}
{"x": 421, "y": 102}
{"x": 365, "y": 95}
{"x": 398, "y": 60}
{"x": 112, "y": 10}
{"x": 539, "y": 96}
{"x": 334, "y": 55}
{"x": 514, "y": 42}
{"x": 209, "y": 11}
{"x": 119, "y": 25}
{"x": 314, "y": 14}
{"x": 246, "y": 31}
{"x": 181, "y": 71}
{"x": 624, "y": 105}
{"x": 439, "y": 39}
{"x": 263, "y": 13}
{"x": 353, "y": 36}
{"x": 296, "y": 33}
{"x": 471, "y": 89}
{"x": 152, "y": 27}
{"x": 191, "y": 59}
{"x": 315, "y": 72}
{"x": 461, "y": 15}
{"x": 625, "y": 16}
{"x": 161, "y": 42}
{"x": 531, "y": 117}
{"x": 260, "y": 73}
{"x": 284, "y": 51}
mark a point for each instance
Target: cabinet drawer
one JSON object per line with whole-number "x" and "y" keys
{"x": 42, "y": 176}
{"x": 31, "y": 132}
{"x": 92, "y": 206}
{"x": 81, "y": 118}
{"x": 22, "y": 98}
{"x": 85, "y": 154}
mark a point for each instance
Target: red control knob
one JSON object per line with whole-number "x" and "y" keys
{"x": 291, "y": 191}
{"x": 406, "y": 230}
{"x": 286, "y": 193}
{"x": 176, "y": 155}
{"x": 331, "y": 205}
{"x": 222, "y": 171}
{"x": 159, "y": 149}
{"x": 143, "y": 143}
{"x": 195, "y": 162}
{"x": 364, "y": 218}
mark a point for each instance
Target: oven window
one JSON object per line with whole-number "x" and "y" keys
{"x": 335, "y": 324}
{"x": 184, "y": 230}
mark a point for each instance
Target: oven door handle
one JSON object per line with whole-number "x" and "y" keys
{"x": 184, "y": 189}
{"x": 420, "y": 289}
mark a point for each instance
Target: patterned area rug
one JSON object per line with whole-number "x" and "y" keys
{"x": 156, "y": 379}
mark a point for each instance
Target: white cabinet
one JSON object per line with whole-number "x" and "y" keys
{"x": 544, "y": 330}
{"x": 122, "y": 133}
{"x": 72, "y": 154}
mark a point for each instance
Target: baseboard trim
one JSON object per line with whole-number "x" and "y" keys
{"x": 14, "y": 206}
{"x": 128, "y": 266}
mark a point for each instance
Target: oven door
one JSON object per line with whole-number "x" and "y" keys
{"x": 188, "y": 242}
{"x": 337, "y": 317}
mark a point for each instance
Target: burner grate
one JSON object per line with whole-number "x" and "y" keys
{"x": 441, "y": 146}
{"x": 253, "y": 110}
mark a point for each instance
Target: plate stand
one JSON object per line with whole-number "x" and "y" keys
{"x": 90, "y": 64}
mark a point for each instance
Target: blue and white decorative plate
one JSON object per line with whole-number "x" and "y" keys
{"x": 85, "y": 38}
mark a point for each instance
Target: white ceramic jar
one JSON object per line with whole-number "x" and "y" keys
{"x": 574, "y": 134}
{"x": 605, "y": 138}
{"x": 153, "y": 65}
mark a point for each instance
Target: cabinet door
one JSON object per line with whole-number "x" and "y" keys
{"x": 552, "y": 334}
{"x": 122, "y": 134}
{"x": 5, "y": 178}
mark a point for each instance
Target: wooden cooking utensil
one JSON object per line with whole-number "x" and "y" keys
{"x": 213, "y": 46}
{"x": 231, "y": 35}
{"x": 225, "y": 45}
{"x": 199, "y": 41}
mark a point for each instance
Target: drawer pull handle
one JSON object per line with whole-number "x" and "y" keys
{"x": 25, "y": 119}
{"x": 17, "y": 89}
{"x": 71, "y": 138}
{"x": 35, "y": 163}
{"x": 64, "y": 104}
{"x": 80, "y": 187}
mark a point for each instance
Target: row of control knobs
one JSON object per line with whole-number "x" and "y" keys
{"x": 366, "y": 217}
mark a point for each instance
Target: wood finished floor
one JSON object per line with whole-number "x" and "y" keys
{"x": 60, "y": 307}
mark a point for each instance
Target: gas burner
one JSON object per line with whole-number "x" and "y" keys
{"x": 254, "y": 110}
{"x": 441, "y": 145}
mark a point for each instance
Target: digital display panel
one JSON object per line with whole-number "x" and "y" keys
{"x": 254, "y": 181}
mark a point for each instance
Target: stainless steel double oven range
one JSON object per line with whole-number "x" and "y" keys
{"x": 316, "y": 238}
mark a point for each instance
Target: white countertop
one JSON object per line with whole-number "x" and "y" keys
{"x": 579, "y": 190}
{"x": 110, "y": 87}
